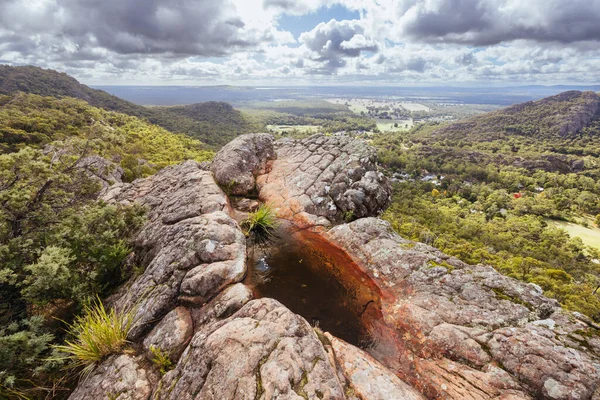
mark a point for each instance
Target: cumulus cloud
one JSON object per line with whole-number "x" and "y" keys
{"x": 185, "y": 27}
{"x": 230, "y": 41}
{"x": 488, "y": 22}
{"x": 334, "y": 41}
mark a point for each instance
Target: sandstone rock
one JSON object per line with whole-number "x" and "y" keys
{"x": 119, "y": 376}
{"x": 203, "y": 282}
{"x": 173, "y": 194}
{"x": 238, "y": 162}
{"x": 263, "y": 351}
{"x": 100, "y": 169}
{"x": 247, "y": 205}
{"x": 324, "y": 179}
{"x": 367, "y": 378}
{"x": 187, "y": 228}
{"x": 226, "y": 303}
{"x": 171, "y": 335}
{"x": 458, "y": 322}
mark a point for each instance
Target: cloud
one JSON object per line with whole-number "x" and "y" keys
{"x": 246, "y": 41}
{"x": 334, "y": 41}
{"x": 184, "y": 27}
{"x": 489, "y": 22}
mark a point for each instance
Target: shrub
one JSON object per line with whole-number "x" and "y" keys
{"x": 261, "y": 224}
{"x": 22, "y": 345}
{"x": 97, "y": 334}
{"x": 161, "y": 359}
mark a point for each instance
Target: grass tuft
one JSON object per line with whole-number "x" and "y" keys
{"x": 161, "y": 359}
{"x": 261, "y": 224}
{"x": 97, "y": 334}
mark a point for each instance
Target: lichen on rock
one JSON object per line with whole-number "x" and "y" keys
{"x": 237, "y": 164}
{"x": 322, "y": 180}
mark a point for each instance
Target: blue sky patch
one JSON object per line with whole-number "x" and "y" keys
{"x": 304, "y": 23}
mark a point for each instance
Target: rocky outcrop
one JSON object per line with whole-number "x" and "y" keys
{"x": 118, "y": 377}
{"x": 468, "y": 332}
{"x": 443, "y": 329}
{"x": 262, "y": 351}
{"x": 189, "y": 248}
{"x": 190, "y": 306}
{"x": 324, "y": 179}
{"x": 236, "y": 164}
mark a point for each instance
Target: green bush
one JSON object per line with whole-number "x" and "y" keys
{"x": 23, "y": 350}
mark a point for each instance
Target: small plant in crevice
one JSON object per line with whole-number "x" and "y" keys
{"x": 97, "y": 333}
{"x": 261, "y": 224}
{"x": 349, "y": 216}
{"x": 161, "y": 359}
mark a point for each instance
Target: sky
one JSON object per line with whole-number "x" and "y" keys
{"x": 307, "y": 42}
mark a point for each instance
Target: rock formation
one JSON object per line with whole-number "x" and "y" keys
{"x": 324, "y": 179}
{"x": 237, "y": 164}
{"x": 449, "y": 330}
{"x": 468, "y": 332}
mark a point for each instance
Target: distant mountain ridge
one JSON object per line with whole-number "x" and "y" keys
{"x": 567, "y": 114}
{"x": 214, "y": 123}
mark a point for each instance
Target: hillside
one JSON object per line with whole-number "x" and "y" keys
{"x": 215, "y": 123}
{"x": 490, "y": 190}
{"x": 566, "y": 115}
{"x": 32, "y": 121}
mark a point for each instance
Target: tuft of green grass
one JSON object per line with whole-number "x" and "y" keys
{"x": 161, "y": 359}
{"x": 97, "y": 334}
{"x": 261, "y": 224}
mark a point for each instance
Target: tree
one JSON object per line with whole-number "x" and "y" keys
{"x": 58, "y": 248}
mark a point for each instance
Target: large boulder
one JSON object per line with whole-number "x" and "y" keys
{"x": 367, "y": 378}
{"x": 263, "y": 351}
{"x": 171, "y": 335}
{"x": 468, "y": 332}
{"x": 188, "y": 233}
{"x": 118, "y": 377}
{"x": 237, "y": 163}
{"x": 323, "y": 180}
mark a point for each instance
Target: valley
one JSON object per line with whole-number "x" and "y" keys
{"x": 510, "y": 188}
{"x": 300, "y": 200}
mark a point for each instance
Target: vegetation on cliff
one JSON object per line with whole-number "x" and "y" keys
{"x": 31, "y": 121}
{"x": 59, "y": 247}
{"x": 260, "y": 224}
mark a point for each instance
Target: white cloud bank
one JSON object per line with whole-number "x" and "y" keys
{"x": 244, "y": 41}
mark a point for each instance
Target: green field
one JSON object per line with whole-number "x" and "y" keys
{"x": 386, "y": 125}
{"x": 300, "y": 128}
{"x": 590, "y": 236}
